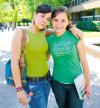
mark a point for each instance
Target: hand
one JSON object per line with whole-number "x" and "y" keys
{"x": 76, "y": 32}
{"x": 30, "y": 94}
{"x": 21, "y": 95}
{"x": 89, "y": 90}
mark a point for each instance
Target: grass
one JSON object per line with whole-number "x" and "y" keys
{"x": 91, "y": 34}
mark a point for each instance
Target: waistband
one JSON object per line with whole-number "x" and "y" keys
{"x": 36, "y": 79}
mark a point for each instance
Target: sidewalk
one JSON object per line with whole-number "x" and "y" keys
{"x": 8, "y": 97}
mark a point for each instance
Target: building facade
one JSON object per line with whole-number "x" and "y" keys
{"x": 84, "y": 10}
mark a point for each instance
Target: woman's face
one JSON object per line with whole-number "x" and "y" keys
{"x": 42, "y": 19}
{"x": 60, "y": 22}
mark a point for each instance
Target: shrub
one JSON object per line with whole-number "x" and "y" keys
{"x": 88, "y": 25}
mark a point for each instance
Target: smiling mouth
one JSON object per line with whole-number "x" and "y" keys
{"x": 59, "y": 28}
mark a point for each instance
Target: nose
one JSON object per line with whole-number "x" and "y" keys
{"x": 44, "y": 21}
{"x": 59, "y": 23}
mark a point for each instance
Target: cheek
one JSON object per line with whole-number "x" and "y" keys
{"x": 38, "y": 20}
{"x": 47, "y": 22}
{"x": 54, "y": 24}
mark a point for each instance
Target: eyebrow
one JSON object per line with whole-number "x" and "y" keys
{"x": 58, "y": 19}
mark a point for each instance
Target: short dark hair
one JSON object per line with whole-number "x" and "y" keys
{"x": 44, "y": 8}
{"x": 61, "y": 9}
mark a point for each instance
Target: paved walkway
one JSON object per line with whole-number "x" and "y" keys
{"x": 8, "y": 95}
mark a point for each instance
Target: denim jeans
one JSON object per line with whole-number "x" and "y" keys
{"x": 66, "y": 95}
{"x": 40, "y": 91}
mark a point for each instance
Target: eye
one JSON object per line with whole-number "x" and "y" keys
{"x": 42, "y": 16}
{"x": 55, "y": 20}
{"x": 63, "y": 20}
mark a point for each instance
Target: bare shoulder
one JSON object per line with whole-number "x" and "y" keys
{"x": 18, "y": 35}
{"x": 17, "y": 39}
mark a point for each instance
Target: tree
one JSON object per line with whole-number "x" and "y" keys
{"x": 32, "y": 4}
{"x": 15, "y": 10}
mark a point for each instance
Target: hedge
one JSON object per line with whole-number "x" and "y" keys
{"x": 88, "y": 25}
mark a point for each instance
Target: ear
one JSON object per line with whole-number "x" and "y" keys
{"x": 34, "y": 14}
{"x": 70, "y": 22}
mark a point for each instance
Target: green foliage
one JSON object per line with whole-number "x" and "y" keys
{"x": 32, "y": 4}
{"x": 3, "y": 1}
{"x": 23, "y": 11}
{"x": 2, "y": 14}
{"x": 88, "y": 25}
{"x": 97, "y": 25}
{"x": 15, "y": 10}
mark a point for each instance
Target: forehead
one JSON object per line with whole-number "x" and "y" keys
{"x": 45, "y": 14}
{"x": 61, "y": 15}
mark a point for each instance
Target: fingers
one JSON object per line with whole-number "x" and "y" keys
{"x": 79, "y": 33}
{"x": 22, "y": 97}
{"x": 76, "y": 32}
{"x": 88, "y": 94}
{"x": 89, "y": 90}
{"x": 23, "y": 101}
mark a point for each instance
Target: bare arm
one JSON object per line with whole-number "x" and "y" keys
{"x": 15, "y": 56}
{"x": 83, "y": 60}
{"x": 75, "y": 31}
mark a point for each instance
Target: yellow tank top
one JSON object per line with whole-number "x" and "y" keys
{"x": 35, "y": 55}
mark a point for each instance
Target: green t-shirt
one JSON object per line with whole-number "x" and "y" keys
{"x": 35, "y": 54}
{"x": 65, "y": 55}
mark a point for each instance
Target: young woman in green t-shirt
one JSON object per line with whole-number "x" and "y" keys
{"x": 68, "y": 54}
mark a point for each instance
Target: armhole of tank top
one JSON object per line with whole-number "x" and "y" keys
{"x": 27, "y": 36}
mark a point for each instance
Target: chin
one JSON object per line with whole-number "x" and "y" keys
{"x": 42, "y": 29}
{"x": 58, "y": 31}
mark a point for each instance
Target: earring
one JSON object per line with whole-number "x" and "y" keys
{"x": 33, "y": 22}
